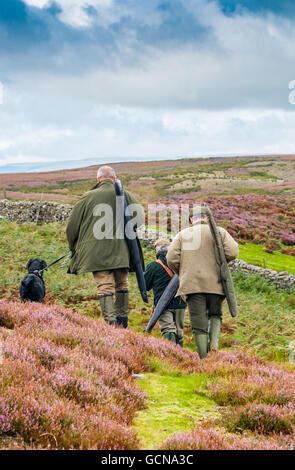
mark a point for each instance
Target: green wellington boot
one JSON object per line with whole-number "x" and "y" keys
{"x": 170, "y": 336}
{"x": 179, "y": 342}
{"x": 121, "y": 306}
{"x": 201, "y": 345}
{"x": 108, "y": 308}
{"x": 214, "y": 332}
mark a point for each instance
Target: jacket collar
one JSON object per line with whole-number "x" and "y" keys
{"x": 200, "y": 222}
{"x": 101, "y": 183}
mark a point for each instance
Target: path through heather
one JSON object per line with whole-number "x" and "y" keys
{"x": 67, "y": 383}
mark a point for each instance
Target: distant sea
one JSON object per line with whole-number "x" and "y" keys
{"x": 69, "y": 164}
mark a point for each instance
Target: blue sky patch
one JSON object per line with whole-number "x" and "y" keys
{"x": 278, "y": 7}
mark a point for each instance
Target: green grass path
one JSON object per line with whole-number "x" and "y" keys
{"x": 175, "y": 403}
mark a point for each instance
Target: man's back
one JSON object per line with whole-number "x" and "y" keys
{"x": 192, "y": 256}
{"x": 91, "y": 232}
{"x": 96, "y": 237}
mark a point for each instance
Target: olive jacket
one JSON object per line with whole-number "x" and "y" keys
{"x": 92, "y": 234}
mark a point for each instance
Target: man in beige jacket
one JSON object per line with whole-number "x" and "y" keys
{"x": 192, "y": 256}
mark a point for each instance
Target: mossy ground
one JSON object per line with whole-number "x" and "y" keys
{"x": 175, "y": 403}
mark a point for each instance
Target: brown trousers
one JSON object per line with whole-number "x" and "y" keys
{"x": 108, "y": 282}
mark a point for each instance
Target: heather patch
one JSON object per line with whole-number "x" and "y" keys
{"x": 241, "y": 378}
{"x": 264, "y": 419}
{"x": 217, "y": 439}
{"x": 258, "y": 218}
{"x": 78, "y": 393}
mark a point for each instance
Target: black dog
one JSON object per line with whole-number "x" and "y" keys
{"x": 32, "y": 286}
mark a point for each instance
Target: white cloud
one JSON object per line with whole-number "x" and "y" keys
{"x": 116, "y": 132}
{"x": 37, "y": 3}
{"x": 183, "y": 78}
{"x": 5, "y": 144}
{"x": 226, "y": 95}
{"x": 73, "y": 11}
{"x": 244, "y": 62}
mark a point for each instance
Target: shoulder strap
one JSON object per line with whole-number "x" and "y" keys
{"x": 168, "y": 271}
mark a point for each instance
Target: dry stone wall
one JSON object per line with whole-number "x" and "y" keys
{"x": 37, "y": 212}
{"x": 282, "y": 280}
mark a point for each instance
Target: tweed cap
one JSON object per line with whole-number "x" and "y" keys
{"x": 197, "y": 211}
{"x": 161, "y": 242}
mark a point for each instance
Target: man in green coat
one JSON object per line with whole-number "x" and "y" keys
{"x": 157, "y": 277}
{"x": 96, "y": 239}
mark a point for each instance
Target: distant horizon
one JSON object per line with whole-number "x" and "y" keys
{"x": 56, "y": 165}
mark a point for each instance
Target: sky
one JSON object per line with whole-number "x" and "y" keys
{"x": 115, "y": 80}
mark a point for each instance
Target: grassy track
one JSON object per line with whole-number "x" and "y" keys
{"x": 173, "y": 404}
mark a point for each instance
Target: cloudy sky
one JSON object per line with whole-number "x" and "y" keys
{"x": 138, "y": 79}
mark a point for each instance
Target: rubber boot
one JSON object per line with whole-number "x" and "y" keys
{"x": 122, "y": 321}
{"x": 121, "y": 306}
{"x": 201, "y": 345}
{"x": 108, "y": 308}
{"x": 170, "y": 336}
{"x": 179, "y": 342}
{"x": 214, "y": 331}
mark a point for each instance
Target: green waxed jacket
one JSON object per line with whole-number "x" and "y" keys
{"x": 90, "y": 253}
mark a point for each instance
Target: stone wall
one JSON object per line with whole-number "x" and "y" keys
{"x": 37, "y": 212}
{"x": 48, "y": 212}
{"x": 282, "y": 280}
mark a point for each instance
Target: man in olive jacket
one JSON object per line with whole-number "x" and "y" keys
{"x": 192, "y": 256}
{"x": 98, "y": 246}
{"x": 157, "y": 277}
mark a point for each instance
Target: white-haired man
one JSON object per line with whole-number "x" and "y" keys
{"x": 99, "y": 248}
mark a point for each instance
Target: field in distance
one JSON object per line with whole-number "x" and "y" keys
{"x": 153, "y": 180}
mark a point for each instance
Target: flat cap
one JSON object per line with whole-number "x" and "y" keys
{"x": 161, "y": 242}
{"x": 198, "y": 211}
